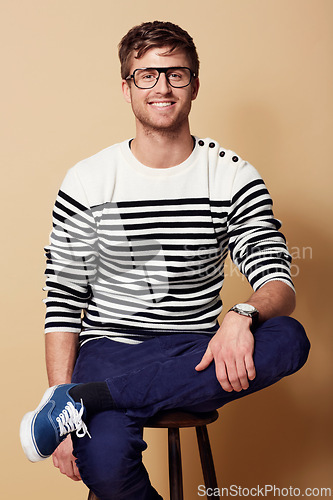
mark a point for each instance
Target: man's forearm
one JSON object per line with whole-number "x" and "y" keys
{"x": 275, "y": 298}
{"x": 60, "y": 355}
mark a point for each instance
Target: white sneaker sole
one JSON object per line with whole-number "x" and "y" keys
{"x": 28, "y": 442}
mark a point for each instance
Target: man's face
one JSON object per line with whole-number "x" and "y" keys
{"x": 163, "y": 108}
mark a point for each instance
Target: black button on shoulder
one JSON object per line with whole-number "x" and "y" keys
{"x": 212, "y": 144}
{"x": 201, "y": 143}
{"x": 222, "y": 153}
{"x": 235, "y": 158}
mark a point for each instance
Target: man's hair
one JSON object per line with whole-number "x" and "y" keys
{"x": 156, "y": 34}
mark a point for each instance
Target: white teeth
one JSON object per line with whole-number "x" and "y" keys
{"x": 161, "y": 104}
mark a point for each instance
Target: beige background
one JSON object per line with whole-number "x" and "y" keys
{"x": 266, "y": 92}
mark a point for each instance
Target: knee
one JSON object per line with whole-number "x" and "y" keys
{"x": 294, "y": 340}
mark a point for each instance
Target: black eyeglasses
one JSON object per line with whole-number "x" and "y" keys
{"x": 147, "y": 78}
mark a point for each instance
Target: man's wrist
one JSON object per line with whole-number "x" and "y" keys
{"x": 232, "y": 317}
{"x": 246, "y": 310}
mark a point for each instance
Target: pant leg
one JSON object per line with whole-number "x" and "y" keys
{"x": 170, "y": 380}
{"x": 110, "y": 463}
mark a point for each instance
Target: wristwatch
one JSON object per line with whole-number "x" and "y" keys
{"x": 247, "y": 310}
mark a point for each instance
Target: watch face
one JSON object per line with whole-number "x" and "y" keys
{"x": 246, "y": 308}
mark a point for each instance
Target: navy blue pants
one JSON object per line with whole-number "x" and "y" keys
{"x": 159, "y": 374}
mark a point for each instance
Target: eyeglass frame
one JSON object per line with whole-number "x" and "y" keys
{"x": 162, "y": 70}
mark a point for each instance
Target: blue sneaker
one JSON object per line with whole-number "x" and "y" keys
{"x": 43, "y": 429}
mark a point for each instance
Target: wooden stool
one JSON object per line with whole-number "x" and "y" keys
{"x": 173, "y": 421}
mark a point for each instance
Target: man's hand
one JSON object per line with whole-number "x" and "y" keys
{"x": 60, "y": 354}
{"x": 232, "y": 350}
{"x": 64, "y": 460}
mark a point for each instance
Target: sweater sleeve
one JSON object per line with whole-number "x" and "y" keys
{"x": 70, "y": 258}
{"x": 256, "y": 245}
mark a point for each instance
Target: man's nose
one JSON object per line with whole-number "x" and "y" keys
{"x": 162, "y": 84}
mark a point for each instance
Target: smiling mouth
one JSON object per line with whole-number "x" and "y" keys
{"x": 161, "y": 104}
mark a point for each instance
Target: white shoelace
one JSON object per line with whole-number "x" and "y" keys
{"x": 70, "y": 419}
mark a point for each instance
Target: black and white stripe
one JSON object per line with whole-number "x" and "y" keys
{"x": 145, "y": 266}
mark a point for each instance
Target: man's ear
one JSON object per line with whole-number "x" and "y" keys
{"x": 195, "y": 88}
{"x": 126, "y": 90}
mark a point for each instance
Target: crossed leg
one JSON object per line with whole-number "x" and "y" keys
{"x": 159, "y": 374}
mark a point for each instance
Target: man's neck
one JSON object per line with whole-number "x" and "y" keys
{"x": 157, "y": 150}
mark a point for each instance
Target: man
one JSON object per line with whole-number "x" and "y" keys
{"x": 141, "y": 233}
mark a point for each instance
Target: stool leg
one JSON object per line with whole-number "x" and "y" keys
{"x": 175, "y": 465}
{"x": 206, "y": 457}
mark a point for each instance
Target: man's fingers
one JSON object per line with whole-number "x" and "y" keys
{"x": 235, "y": 375}
{"x": 64, "y": 460}
{"x": 222, "y": 377}
{"x": 206, "y": 360}
{"x": 232, "y": 371}
{"x": 68, "y": 468}
{"x": 250, "y": 368}
{"x": 76, "y": 471}
{"x": 243, "y": 381}
{"x": 245, "y": 371}
{"x": 55, "y": 461}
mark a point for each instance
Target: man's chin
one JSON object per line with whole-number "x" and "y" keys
{"x": 164, "y": 127}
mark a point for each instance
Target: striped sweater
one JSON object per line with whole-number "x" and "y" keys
{"x": 137, "y": 252}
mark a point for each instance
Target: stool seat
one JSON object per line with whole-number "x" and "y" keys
{"x": 173, "y": 420}
{"x": 180, "y": 419}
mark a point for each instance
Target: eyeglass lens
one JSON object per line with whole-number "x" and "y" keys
{"x": 177, "y": 77}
